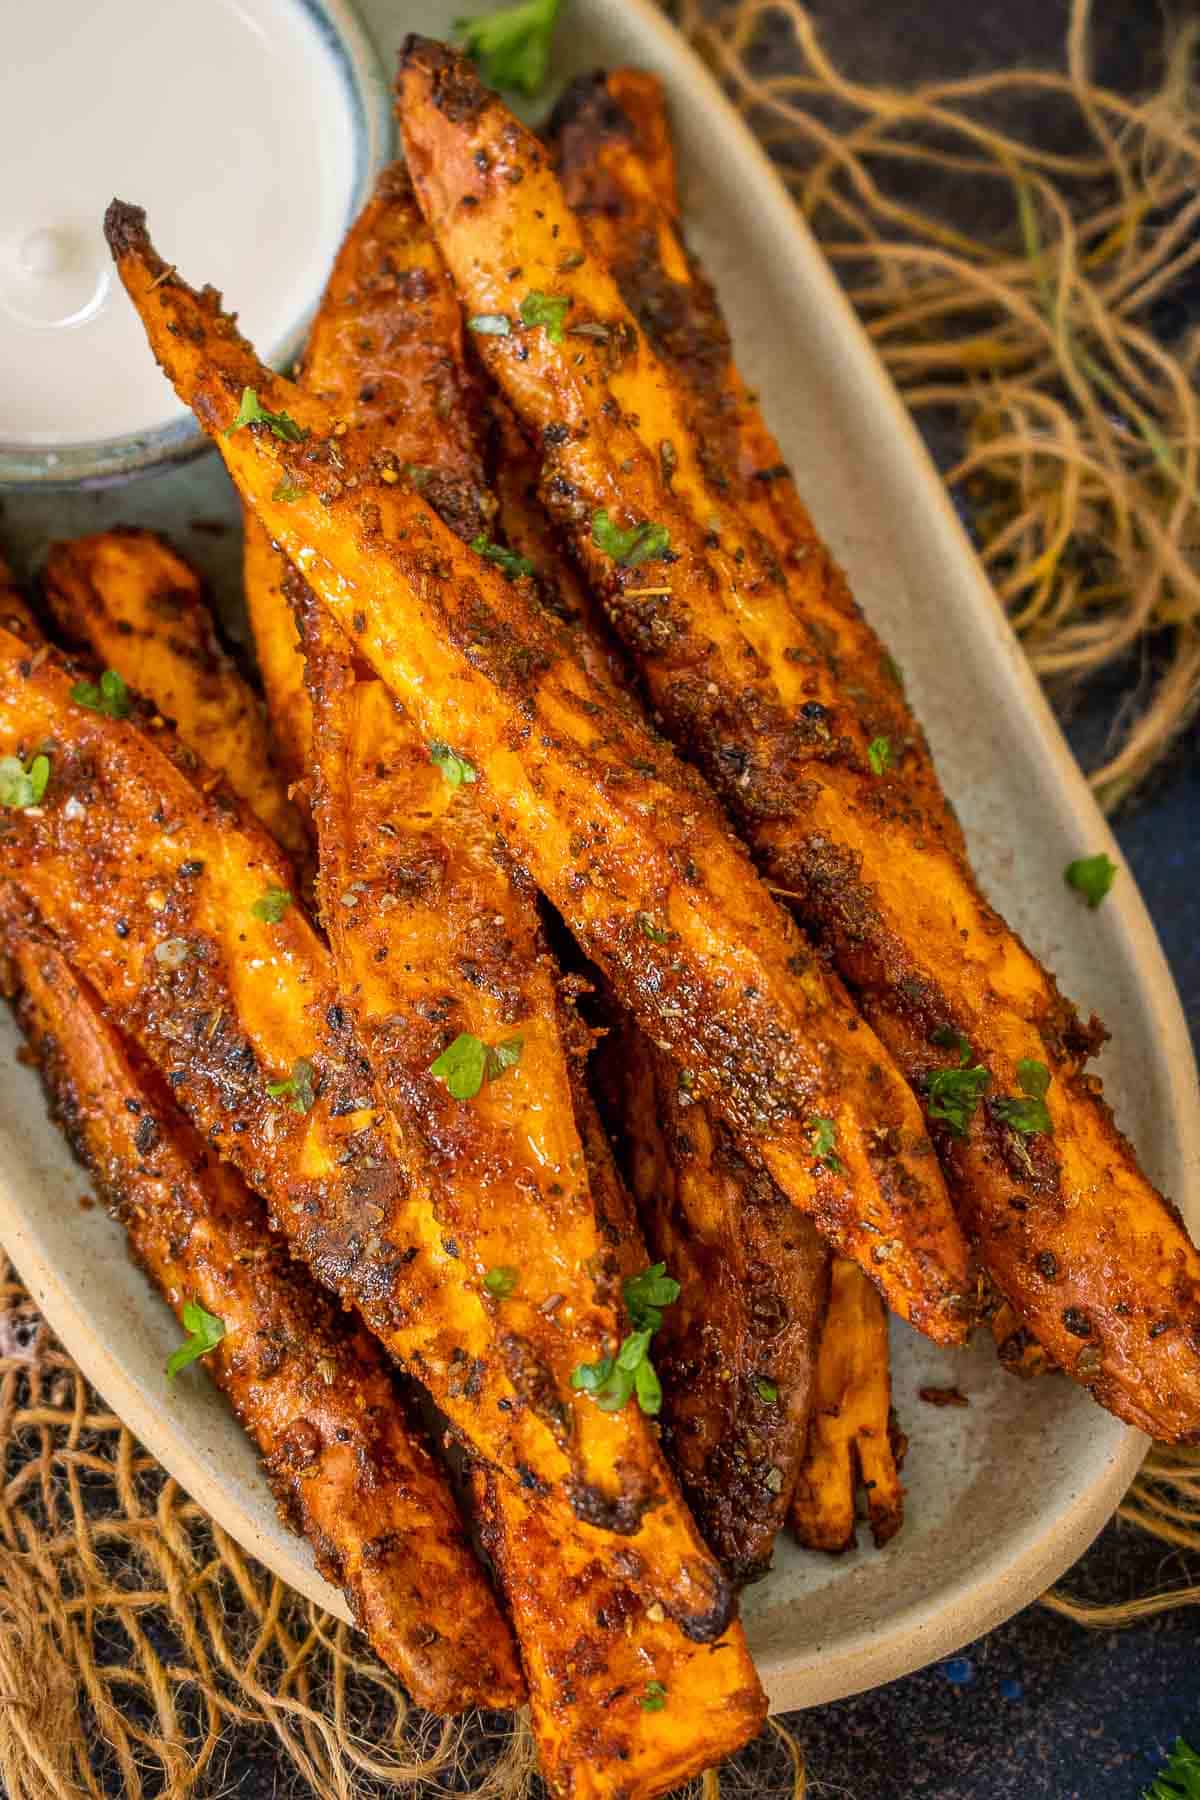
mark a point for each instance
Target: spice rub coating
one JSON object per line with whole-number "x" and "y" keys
{"x": 872, "y": 872}
{"x": 304, "y": 1378}
{"x": 607, "y": 823}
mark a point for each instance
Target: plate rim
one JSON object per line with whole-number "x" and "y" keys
{"x": 917, "y": 1635}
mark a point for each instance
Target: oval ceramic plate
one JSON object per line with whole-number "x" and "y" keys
{"x": 1004, "y": 1494}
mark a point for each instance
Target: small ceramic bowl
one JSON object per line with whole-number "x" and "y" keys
{"x": 104, "y": 461}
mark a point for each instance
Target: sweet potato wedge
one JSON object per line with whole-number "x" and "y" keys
{"x": 433, "y": 937}
{"x": 308, "y": 1384}
{"x": 628, "y": 846}
{"x": 280, "y": 663}
{"x": 612, "y": 138}
{"x": 737, "y": 1350}
{"x": 140, "y": 609}
{"x": 1092, "y": 1259}
{"x": 150, "y": 884}
{"x": 853, "y": 1439}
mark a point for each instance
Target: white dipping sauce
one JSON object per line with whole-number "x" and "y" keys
{"x": 228, "y": 120}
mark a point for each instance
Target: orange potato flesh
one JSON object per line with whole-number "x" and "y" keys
{"x": 606, "y": 822}
{"x": 310, "y": 1387}
{"x": 737, "y": 1350}
{"x": 141, "y": 610}
{"x": 1096, "y": 1264}
{"x": 433, "y": 939}
{"x": 852, "y": 1438}
{"x": 149, "y": 885}
{"x": 277, "y": 648}
{"x": 618, "y": 179}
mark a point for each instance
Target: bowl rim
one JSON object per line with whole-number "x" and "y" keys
{"x": 101, "y": 462}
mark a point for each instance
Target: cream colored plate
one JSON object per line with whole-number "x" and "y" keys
{"x": 1004, "y": 1495}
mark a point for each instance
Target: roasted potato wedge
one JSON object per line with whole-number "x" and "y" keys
{"x": 141, "y": 610}
{"x": 151, "y": 884}
{"x": 1093, "y": 1260}
{"x": 626, "y": 844}
{"x": 853, "y": 1438}
{"x": 307, "y": 1382}
{"x": 737, "y": 1350}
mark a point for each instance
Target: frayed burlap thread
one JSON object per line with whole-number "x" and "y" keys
{"x": 134, "y": 1634}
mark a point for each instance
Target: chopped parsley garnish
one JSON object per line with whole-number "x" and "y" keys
{"x": 468, "y": 1062}
{"x": 1091, "y": 876}
{"x": 614, "y": 1379}
{"x": 298, "y": 1086}
{"x": 109, "y": 695}
{"x": 658, "y": 934}
{"x": 1031, "y": 1114}
{"x": 490, "y": 324}
{"x": 767, "y": 1392}
{"x": 824, "y": 1142}
{"x": 205, "y": 1333}
{"x": 654, "y": 1698}
{"x": 20, "y": 786}
{"x": 879, "y": 755}
{"x": 455, "y": 768}
{"x": 501, "y": 1282}
{"x": 629, "y": 548}
{"x": 891, "y": 668}
{"x": 250, "y": 412}
{"x": 287, "y": 491}
{"x": 271, "y": 906}
{"x": 512, "y": 45}
{"x": 1180, "y": 1779}
{"x": 954, "y": 1094}
{"x": 546, "y": 309}
{"x": 508, "y": 562}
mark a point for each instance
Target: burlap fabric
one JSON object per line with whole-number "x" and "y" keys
{"x": 136, "y": 1640}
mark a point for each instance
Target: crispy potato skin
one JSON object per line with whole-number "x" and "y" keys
{"x": 277, "y": 647}
{"x": 306, "y": 1382}
{"x": 1097, "y": 1265}
{"x": 589, "y": 1640}
{"x": 754, "y": 1277}
{"x": 608, "y": 824}
{"x": 608, "y": 132}
{"x": 149, "y": 884}
{"x": 140, "y": 609}
{"x": 434, "y": 936}
{"x": 587, "y": 1686}
{"x": 853, "y": 1438}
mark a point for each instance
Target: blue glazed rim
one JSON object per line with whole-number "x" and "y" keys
{"x": 105, "y": 461}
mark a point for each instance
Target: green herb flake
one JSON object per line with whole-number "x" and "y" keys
{"x": 109, "y": 695}
{"x": 455, "y": 768}
{"x": 654, "y": 1698}
{"x": 205, "y": 1333}
{"x": 879, "y": 755}
{"x": 1180, "y": 1779}
{"x": 281, "y": 424}
{"x": 512, "y": 46}
{"x": 629, "y": 548}
{"x": 21, "y": 787}
{"x": 954, "y": 1094}
{"x": 947, "y": 1038}
{"x": 468, "y": 1062}
{"x": 546, "y": 309}
{"x": 286, "y": 491}
{"x": 824, "y": 1143}
{"x": 613, "y": 1381}
{"x": 271, "y": 906}
{"x": 1091, "y": 876}
{"x": 510, "y": 565}
{"x": 1028, "y": 1115}
{"x": 658, "y": 934}
{"x": 490, "y": 325}
{"x": 298, "y": 1086}
{"x": 891, "y": 668}
{"x": 767, "y": 1392}
{"x": 501, "y": 1281}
